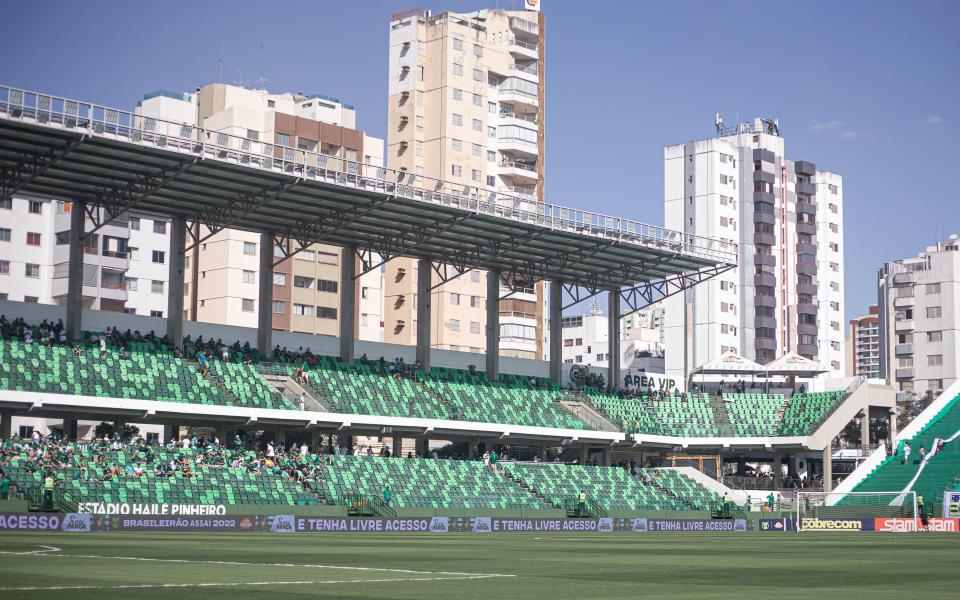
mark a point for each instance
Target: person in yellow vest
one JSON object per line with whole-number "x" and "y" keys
{"x": 48, "y": 484}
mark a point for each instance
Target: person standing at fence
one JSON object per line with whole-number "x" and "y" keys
{"x": 906, "y": 453}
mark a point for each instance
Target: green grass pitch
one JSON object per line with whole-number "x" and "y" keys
{"x": 483, "y": 566}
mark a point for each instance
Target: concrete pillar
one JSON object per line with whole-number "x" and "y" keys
{"x": 424, "y": 312}
{"x": 493, "y": 325}
{"x": 471, "y": 449}
{"x": 741, "y": 465}
{"x": 892, "y": 428}
{"x": 423, "y": 447}
{"x": 348, "y": 305}
{"x": 69, "y": 429}
{"x": 777, "y": 469}
{"x": 605, "y": 456}
{"x": 865, "y": 428}
{"x": 316, "y": 441}
{"x": 221, "y": 432}
{"x": 6, "y": 424}
{"x": 265, "y": 307}
{"x": 543, "y": 451}
{"x": 556, "y": 332}
{"x": 397, "y": 449}
{"x": 178, "y": 243}
{"x": 584, "y": 454}
{"x": 280, "y": 437}
{"x": 827, "y": 469}
{"x": 613, "y": 339}
{"x": 75, "y": 272}
{"x": 170, "y": 432}
{"x": 195, "y": 274}
{"x": 118, "y": 426}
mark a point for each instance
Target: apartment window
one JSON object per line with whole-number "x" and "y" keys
{"x": 363, "y": 319}
{"x": 834, "y": 228}
{"x": 835, "y": 345}
{"x": 474, "y": 327}
{"x": 325, "y": 285}
{"x": 834, "y": 267}
{"x": 134, "y": 223}
{"x": 326, "y": 312}
{"x": 934, "y": 360}
{"x": 477, "y": 125}
{"x": 160, "y": 227}
{"x": 835, "y": 286}
{"x": 156, "y": 287}
{"x": 834, "y": 306}
{"x": 474, "y": 301}
{"x": 456, "y": 170}
{"x": 455, "y": 299}
{"x": 478, "y": 74}
{"x": 491, "y": 180}
{"x": 249, "y": 248}
{"x": 303, "y": 282}
{"x": 568, "y": 343}
{"x": 474, "y": 276}
{"x": 131, "y": 283}
{"x": 457, "y": 120}
{"x": 723, "y": 179}
{"x": 457, "y": 94}
{"x": 832, "y": 207}
{"x": 280, "y": 279}
{"x": 475, "y": 175}
{"x": 419, "y": 122}
{"x": 457, "y": 44}
{"x": 248, "y": 276}
{"x": 832, "y": 188}
{"x": 476, "y": 150}
{"x": 934, "y": 312}
{"x": 492, "y": 108}
{"x": 253, "y": 134}
{"x": 491, "y": 132}
{"x": 156, "y": 313}
{"x": 246, "y": 304}
{"x": 477, "y": 100}
{"x": 934, "y": 336}
{"x": 4, "y": 267}
{"x": 33, "y": 238}
{"x": 279, "y": 306}
{"x": 303, "y": 310}
{"x": 477, "y": 50}
{"x": 457, "y": 69}
{"x": 420, "y": 73}
{"x": 933, "y": 288}
{"x": 4, "y": 234}
{"x": 7, "y": 203}
{"x": 418, "y": 148}
{"x": 35, "y": 207}
{"x": 456, "y": 144}
{"x": 835, "y": 247}
{"x": 134, "y": 253}
{"x": 491, "y": 156}
{"x": 455, "y": 324}
{"x": 158, "y": 257}
{"x": 283, "y": 139}
{"x": 419, "y": 98}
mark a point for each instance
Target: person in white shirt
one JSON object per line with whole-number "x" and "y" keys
{"x": 271, "y": 452}
{"x": 486, "y": 459}
{"x": 225, "y": 353}
{"x": 186, "y": 442}
{"x": 304, "y": 449}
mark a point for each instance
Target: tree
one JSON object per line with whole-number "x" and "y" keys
{"x": 912, "y": 406}
{"x": 106, "y": 428}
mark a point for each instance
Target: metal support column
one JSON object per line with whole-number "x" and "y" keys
{"x": 6, "y": 424}
{"x": 348, "y": 305}
{"x": 613, "y": 339}
{"x": 471, "y": 449}
{"x": 424, "y": 312}
{"x": 69, "y": 429}
{"x": 423, "y": 446}
{"x": 195, "y": 274}
{"x": 777, "y": 469}
{"x": 892, "y": 427}
{"x": 397, "y": 449}
{"x": 493, "y": 325}
{"x": 221, "y": 432}
{"x": 584, "y": 454}
{"x": 75, "y": 272}
{"x": 865, "y": 428}
{"x": 827, "y": 469}
{"x": 265, "y": 307}
{"x": 178, "y": 244}
{"x": 556, "y": 332}
{"x": 605, "y": 456}
{"x": 171, "y": 432}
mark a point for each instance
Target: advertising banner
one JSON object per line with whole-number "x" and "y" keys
{"x": 358, "y": 524}
{"x": 951, "y": 504}
{"x": 907, "y": 525}
{"x": 817, "y": 524}
{"x": 128, "y": 508}
{"x": 282, "y": 523}
{"x": 696, "y": 525}
{"x": 35, "y": 522}
{"x": 785, "y": 524}
{"x": 156, "y": 523}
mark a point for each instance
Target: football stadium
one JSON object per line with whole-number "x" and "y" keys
{"x": 247, "y": 348}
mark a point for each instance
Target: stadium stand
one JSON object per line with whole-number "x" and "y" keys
{"x": 755, "y": 414}
{"x": 805, "y": 411}
{"x": 612, "y": 488}
{"x": 940, "y": 471}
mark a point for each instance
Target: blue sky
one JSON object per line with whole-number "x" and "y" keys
{"x": 868, "y": 89}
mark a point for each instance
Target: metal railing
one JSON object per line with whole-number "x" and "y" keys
{"x": 523, "y": 44}
{"x": 529, "y": 69}
{"x": 185, "y": 138}
{"x": 514, "y": 164}
{"x": 506, "y": 114}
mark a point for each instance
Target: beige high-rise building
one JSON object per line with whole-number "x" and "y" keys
{"x": 466, "y": 105}
{"x": 222, "y": 272}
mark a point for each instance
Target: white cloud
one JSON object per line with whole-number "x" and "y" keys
{"x": 931, "y": 120}
{"x": 835, "y": 127}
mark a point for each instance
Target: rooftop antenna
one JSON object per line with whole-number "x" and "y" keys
{"x": 718, "y": 123}
{"x": 220, "y": 78}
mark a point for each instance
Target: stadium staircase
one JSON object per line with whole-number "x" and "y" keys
{"x": 576, "y": 404}
{"x": 721, "y": 417}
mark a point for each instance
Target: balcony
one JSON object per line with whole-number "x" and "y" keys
{"x": 807, "y": 289}
{"x": 765, "y": 279}
{"x": 905, "y": 373}
{"x": 522, "y": 193}
{"x": 767, "y": 322}
{"x": 903, "y": 279}
{"x": 764, "y": 239}
{"x": 761, "y": 216}
{"x": 904, "y": 302}
{"x": 768, "y": 260}
{"x": 808, "y": 208}
{"x": 524, "y": 26}
{"x": 519, "y": 98}
{"x": 522, "y": 49}
{"x": 804, "y": 187}
{"x": 519, "y": 146}
{"x": 764, "y": 156}
{"x": 767, "y": 301}
{"x": 524, "y": 120}
{"x": 806, "y": 309}
{"x": 807, "y": 228}
{"x": 905, "y": 325}
{"x": 903, "y": 349}
{"x": 521, "y": 172}
{"x": 807, "y": 268}
{"x": 764, "y": 176}
{"x": 807, "y": 350}
{"x": 528, "y": 72}
{"x": 803, "y": 167}
{"x": 806, "y": 329}
{"x": 762, "y": 343}
{"x": 803, "y": 248}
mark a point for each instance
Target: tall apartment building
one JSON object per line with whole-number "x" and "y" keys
{"x": 34, "y": 259}
{"x": 222, "y": 272}
{"x": 787, "y": 217}
{"x": 863, "y": 345}
{"x": 466, "y": 105}
{"x": 919, "y": 301}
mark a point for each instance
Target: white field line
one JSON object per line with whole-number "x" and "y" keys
{"x": 237, "y": 584}
{"x": 47, "y": 549}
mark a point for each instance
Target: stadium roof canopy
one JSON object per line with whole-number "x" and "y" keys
{"x": 729, "y": 363}
{"x": 113, "y": 161}
{"x": 792, "y": 364}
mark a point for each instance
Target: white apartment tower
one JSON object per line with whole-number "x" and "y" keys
{"x": 466, "y": 105}
{"x": 919, "y": 301}
{"x": 787, "y": 218}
